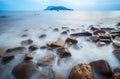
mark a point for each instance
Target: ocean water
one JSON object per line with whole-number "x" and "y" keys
{"x": 43, "y": 22}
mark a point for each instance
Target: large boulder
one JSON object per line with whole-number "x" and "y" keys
{"x": 102, "y": 67}
{"x": 81, "y": 34}
{"x": 24, "y": 70}
{"x": 45, "y": 61}
{"x": 116, "y": 73}
{"x": 63, "y": 52}
{"x": 7, "y": 59}
{"x": 58, "y": 43}
{"x": 81, "y": 71}
{"x": 27, "y": 42}
{"x": 116, "y": 52}
{"x": 2, "y": 51}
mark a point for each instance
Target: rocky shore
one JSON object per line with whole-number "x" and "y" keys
{"x": 28, "y": 69}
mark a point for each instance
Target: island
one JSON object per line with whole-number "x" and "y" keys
{"x": 57, "y": 8}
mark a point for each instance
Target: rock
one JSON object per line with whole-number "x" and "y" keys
{"x": 100, "y": 44}
{"x": 28, "y": 56}
{"x": 115, "y": 35}
{"x": 116, "y": 44}
{"x": 25, "y": 70}
{"x": 43, "y": 47}
{"x": 107, "y": 41}
{"x": 105, "y": 37}
{"x": 97, "y": 32}
{"x": 42, "y": 36}
{"x": 71, "y": 41}
{"x": 118, "y": 24}
{"x": 2, "y": 51}
{"x": 64, "y": 33}
{"x": 107, "y": 29}
{"x": 63, "y": 52}
{"x": 116, "y": 73}
{"x": 24, "y": 35}
{"x": 115, "y": 32}
{"x": 94, "y": 38}
{"x": 56, "y": 29}
{"x": 7, "y": 59}
{"x": 102, "y": 67}
{"x": 116, "y": 52}
{"x": 16, "y": 49}
{"x": 58, "y": 43}
{"x": 72, "y": 29}
{"x": 45, "y": 61}
{"x": 93, "y": 28}
{"x": 81, "y": 34}
{"x": 65, "y": 28}
{"x": 27, "y": 42}
{"x": 81, "y": 71}
{"x": 33, "y": 48}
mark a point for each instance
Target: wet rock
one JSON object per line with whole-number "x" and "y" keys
{"x": 105, "y": 37}
{"x": 93, "y": 28}
{"x": 63, "y": 52}
{"x": 65, "y": 28}
{"x": 81, "y": 34}
{"x": 118, "y": 24}
{"x": 28, "y": 56}
{"x": 58, "y": 43}
{"x": 107, "y": 41}
{"x": 64, "y": 33}
{"x": 71, "y": 41}
{"x": 116, "y": 73}
{"x": 25, "y": 70}
{"x": 24, "y": 35}
{"x": 27, "y": 42}
{"x": 94, "y": 38}
{"x": 116, "y": 44}
{"x": 56, "y": 29}
{"x": 42, "y": 36}
{"x": 72, "y": 29}
{"x": 107, "y": 29}
{"x": 16, "y": 49}
{"x": 102, "y": 67}
{"x": 43, "y": 47}
{"x": 97, "y": 32}
{"x": 81, "y": 71}
{"x": 115, "y": 32}
{"x": 33, "y": 48}
{"x": 7, "y": 59}
{"x": 2, "y": 51}
{"x": 116, "y": 52}
{"x": 100, "y": 44}
{"x": 47, "y": 60}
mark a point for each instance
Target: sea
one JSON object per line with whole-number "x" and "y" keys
{"x": 14, "y": 24}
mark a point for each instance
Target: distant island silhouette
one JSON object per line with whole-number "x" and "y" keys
{"x": 57, "y": 8}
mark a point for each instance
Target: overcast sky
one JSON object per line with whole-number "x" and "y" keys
{"x": 74, "y": 4}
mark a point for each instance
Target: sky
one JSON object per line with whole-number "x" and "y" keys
{"x": 37, "y": 5}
